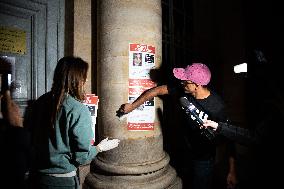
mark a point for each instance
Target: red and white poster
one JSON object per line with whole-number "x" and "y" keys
{"x": 141, "y": 61}
{"x": 92, "y": 102}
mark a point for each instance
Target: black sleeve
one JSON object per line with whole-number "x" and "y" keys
{"x": 16, "y": 156}
{"x": 240, "y": 135}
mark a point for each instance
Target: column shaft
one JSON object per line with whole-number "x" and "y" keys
{"x": 139, "y": 161}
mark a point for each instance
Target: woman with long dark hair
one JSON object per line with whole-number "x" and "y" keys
{"x": 62, "y": 128}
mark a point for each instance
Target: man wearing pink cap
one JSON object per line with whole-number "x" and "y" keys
{"x": 194, "y": 80}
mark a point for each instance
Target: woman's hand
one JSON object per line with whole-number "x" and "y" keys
{"x": 107, "y": 144}
{"x": 209, "y": 123}
{"x": 11, "y": 112}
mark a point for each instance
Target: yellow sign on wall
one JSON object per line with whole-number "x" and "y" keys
{"x": 12, "y": 40}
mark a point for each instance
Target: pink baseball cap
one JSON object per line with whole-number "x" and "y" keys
{"x": 196, "y": 72}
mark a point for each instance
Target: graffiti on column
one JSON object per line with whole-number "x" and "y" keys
{"x": 141, "y": 61}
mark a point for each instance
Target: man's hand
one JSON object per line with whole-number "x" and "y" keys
{"x": 123, "y": 110}
{"x": 126, "y": 108}
{"x": 11, "y": 112}
{"x": 232, "y": 180}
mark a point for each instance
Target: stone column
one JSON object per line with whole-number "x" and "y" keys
{"x": 139, "y": 161}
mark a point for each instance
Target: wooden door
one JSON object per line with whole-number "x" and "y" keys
{"x": 32, "y": 38}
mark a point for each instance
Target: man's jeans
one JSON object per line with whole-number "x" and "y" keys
{"x": 202, "y": 173}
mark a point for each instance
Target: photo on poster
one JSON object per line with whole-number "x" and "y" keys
{"x": 149, "y": 102}
{"x": 93, "y": 110}
{"x": 137, "y": 59}
{"x": 149, "y": 58}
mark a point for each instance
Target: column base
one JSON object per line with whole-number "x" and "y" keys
{"x": 164, "y": 178}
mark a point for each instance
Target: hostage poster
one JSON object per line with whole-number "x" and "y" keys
{"x": 141, "y": 61}
{"x": 92, "y": 102}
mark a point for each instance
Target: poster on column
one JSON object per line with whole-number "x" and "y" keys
{"x": 141, "y": 61}
{"x": 91, "y": 102}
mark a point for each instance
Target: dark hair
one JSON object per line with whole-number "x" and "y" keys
{"x": 69, "y": 76}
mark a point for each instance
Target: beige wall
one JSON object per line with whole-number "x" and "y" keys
{"x": 83, "y": 34}
{"x": 82, "y": 48}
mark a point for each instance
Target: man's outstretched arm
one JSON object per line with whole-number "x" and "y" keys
{"x": 145, "y": 96}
